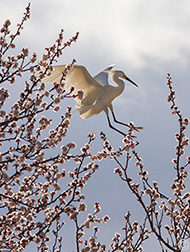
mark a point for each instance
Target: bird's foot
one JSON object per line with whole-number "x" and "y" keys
{"x": 133, "y": 127}
{"x": 138, "y": 128}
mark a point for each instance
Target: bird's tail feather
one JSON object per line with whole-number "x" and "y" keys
{"x": 85, "y": 111}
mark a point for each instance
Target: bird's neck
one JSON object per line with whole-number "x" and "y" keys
{"x": 120, "y": 84}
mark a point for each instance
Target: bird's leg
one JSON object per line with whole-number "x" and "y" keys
{"x": 115, "y": 120}
{"x": 111, "y": 126}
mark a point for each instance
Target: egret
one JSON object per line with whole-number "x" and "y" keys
{"x": 98, "y": 94}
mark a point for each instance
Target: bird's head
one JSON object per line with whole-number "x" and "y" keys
{"x": 122, "y": 75}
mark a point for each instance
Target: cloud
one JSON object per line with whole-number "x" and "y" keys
{"x": 133, "y": 32}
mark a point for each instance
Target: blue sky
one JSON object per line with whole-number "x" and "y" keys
{"x": 146, "y": 39}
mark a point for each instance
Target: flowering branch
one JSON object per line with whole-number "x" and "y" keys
{"x": 157, "y": 211}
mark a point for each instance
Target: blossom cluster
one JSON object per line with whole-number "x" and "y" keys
{"x": 12, "y": 66}
{"x": 133, "y": 237}
{"x": 92, "y": 219}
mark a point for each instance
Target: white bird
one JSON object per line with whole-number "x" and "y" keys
{"x": 98, "y": 94}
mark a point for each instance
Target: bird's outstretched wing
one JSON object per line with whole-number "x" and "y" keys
{"x": 80, "y": 79}
{"x": 102, "y": 77}
{"x": 77, "y": 77}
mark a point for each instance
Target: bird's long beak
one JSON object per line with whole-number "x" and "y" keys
{"x": 125, "y": 77}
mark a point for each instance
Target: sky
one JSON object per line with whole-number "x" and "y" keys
{"x": 146, "y": 39}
